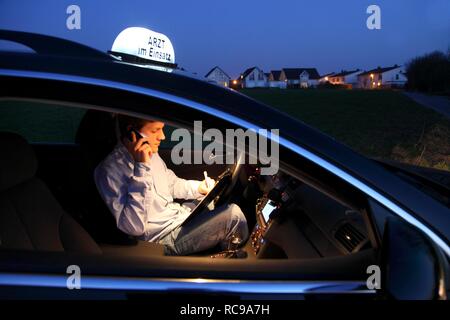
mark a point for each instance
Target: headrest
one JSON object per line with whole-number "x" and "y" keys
{"x": 18, "y": 161}
{"x": 96, "y": 136}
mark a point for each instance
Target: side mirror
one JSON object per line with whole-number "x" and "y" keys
{"x": 412, "y": 266}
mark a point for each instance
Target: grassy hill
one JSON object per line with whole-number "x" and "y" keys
{"x": 379, "y": 123}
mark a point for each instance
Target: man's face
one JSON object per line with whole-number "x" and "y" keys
{"x": 153, "y": 132}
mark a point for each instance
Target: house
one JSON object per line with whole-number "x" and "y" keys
{"x": 389, "y": 77}
{"x": 274, "y": 79}
{"x": 345, "y": 77}
{"x": 325, "y": 78}
{"x": 253, "y": 78}
{"x": 218, "y": 76}
{"x": 300, "y": 77}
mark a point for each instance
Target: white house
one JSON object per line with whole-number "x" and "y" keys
{"x": 274, "y": 80}
{"x": 345, "y": 77}
{"x": 218, "y": 76}
{"x": 299, "y": 77}
{"x": 309, "y": 78}
{"x": 389, "y": 77}
{"x": 253, "y": 78}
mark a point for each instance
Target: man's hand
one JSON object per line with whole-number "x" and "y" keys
{"x": 139, "y": 149}
{"x": 204, "y": 187}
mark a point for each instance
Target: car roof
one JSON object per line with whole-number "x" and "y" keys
{"x": 93, "y": 64}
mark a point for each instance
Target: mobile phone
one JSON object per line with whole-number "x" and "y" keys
{"x": 137, "y": 133}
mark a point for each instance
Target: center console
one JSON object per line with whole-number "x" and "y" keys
{"x": 267, "y": 209}
{"x": 276, "y": 195}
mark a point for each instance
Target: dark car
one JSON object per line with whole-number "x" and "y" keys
{"x": 330, "y": 222}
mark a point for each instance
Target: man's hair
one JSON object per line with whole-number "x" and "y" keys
{"x": 126, "y": 121}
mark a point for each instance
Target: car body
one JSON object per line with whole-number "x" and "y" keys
{"x": 63, "y": 73}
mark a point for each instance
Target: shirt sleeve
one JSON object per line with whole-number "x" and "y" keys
{"x": 182, "y": 188}
{"x": 125, "y": 196}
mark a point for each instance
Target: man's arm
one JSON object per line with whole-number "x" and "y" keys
{"x": 124, "y": 196}
{"x": 182, "y": 188}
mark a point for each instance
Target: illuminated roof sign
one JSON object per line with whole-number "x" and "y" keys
{"x": 144, "y": 46}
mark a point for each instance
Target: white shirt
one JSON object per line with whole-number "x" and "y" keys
{"x": 141, "y": 195}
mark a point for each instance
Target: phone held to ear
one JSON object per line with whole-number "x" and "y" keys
{"x": 137, "y": 133}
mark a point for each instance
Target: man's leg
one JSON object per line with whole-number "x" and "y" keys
{"x": 207, "y": 230}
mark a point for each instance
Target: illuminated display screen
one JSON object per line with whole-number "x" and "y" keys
{"x": 267, "y": 210}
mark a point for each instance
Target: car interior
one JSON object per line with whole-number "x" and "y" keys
{"x": 49, "y": 201}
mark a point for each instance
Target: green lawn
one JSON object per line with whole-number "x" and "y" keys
{"x": 383, "y": 124}
{"x": 39, "y": 122}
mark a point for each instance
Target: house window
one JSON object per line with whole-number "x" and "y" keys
{"x": 252, "y": 77}
{"x": 261, "y": 77}
{"x": 396, "y": 77}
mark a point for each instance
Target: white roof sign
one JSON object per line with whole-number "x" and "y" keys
{"x": 146, "y": 44}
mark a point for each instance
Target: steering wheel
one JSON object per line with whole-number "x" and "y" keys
{"x": 222, "y": 190}
{"x": 235, "y": 171}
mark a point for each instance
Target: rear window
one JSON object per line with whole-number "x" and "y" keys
{"x": 40, "y": 122}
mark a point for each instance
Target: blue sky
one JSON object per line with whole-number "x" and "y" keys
{"x": 328, "y": 35}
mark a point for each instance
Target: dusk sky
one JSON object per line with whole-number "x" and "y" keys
{"x": 235, "y": 35}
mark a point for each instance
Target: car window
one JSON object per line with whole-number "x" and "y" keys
{"x": 39, "y": 122}
{"x": 322, "y": 226}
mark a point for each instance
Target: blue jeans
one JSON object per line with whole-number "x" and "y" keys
{"x": 207, "y": 230}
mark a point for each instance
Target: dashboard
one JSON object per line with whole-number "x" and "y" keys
{"x": 295, "y": 220}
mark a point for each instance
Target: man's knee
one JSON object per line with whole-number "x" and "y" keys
{"x": 237, "y": 216}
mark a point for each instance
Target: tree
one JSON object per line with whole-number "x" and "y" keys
{"x": 429, "y": 73}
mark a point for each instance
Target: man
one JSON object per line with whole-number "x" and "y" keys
{"x": 139, "y": 190}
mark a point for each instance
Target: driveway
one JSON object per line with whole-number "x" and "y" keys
{"x": 440, "y": 104}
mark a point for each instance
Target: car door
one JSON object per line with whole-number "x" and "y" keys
{"x": 315, "y": 284}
